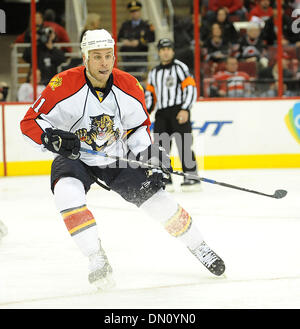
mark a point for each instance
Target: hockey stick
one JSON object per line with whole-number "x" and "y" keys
{"x": 278, "y": 194}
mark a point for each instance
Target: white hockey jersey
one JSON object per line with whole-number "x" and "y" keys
{"x": 110, "y": 123}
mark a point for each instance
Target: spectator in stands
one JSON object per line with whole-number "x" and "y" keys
{"x": 49, "y": 15}
{"x": 49, "y": 57}
{"x": 216, "y": 48}
{"x": 60, "y": 32}
{"x": 261, "y": 12}
{"x": 92, "y": 22}
{"x": 135, "y": 35}
{"x": 252, "y": 47}
{"x": 222, "y": 17}
{"x": 25, "y": 92}
{"x": 3, "y": 91}
{"x": 231, "y": 82}
{"x": 269, "y": 78}
{"x": 184, "y": 40}
{"x": 269, "y": 32}
{"x": 229, "y": 31}
{"x": 232, "y": 7}
{"x": 249, "y": 4}
{"x": 273, "y": 91}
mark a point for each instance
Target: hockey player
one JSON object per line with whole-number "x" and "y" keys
{"x": 102, "y": 109}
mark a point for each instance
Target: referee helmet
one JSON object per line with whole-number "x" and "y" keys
{"x": 165, "y": 43}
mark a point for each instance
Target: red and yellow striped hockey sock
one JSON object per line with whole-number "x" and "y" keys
{"x": 181, "y": 226}
{"x": 180, "y": 223}
{"x": 78, "y": 219}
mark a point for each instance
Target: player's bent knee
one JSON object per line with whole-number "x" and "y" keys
{"x": 69, "y": 193}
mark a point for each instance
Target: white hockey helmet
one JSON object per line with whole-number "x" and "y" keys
{"x": 96, "y": 39}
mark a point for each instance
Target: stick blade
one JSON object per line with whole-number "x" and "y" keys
{"x": 279, "y": 194}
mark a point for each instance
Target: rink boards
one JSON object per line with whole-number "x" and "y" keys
{"x": 227, "y": 135}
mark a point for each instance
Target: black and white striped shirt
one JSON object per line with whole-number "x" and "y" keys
{"x": 170, "y": 85}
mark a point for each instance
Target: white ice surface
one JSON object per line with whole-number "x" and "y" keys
{"x": 258, "y": 238}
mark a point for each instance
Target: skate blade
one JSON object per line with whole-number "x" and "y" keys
{"x": 104, "y": 283}
{"x": 192, "y": 188}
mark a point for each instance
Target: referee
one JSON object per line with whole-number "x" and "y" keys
{"x": 171, "y": 90}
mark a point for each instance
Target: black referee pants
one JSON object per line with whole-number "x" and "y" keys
{"x": 166, "y": 127}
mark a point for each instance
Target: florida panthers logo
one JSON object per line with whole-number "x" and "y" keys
{"x": 55, "y": 82}
{"x": 101, "y": 134}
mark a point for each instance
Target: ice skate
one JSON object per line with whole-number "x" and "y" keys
{"x": 209, "y": 259}
{"x": 191, "y": 185}
{"x": 3, "y": 230}
{"x": 100, "y": 270}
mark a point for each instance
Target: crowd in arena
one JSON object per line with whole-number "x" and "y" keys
{"x": 238, "y": 47}
{"x": 244, "y": 33}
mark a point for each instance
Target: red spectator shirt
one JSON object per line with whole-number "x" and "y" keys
{"x": 232, "y": 5}
{"x": 61, "y": 35}
{"x": 261, "y": 13}
{"x": 232, "y": 83}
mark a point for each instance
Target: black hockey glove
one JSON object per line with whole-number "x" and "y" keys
{"x": 62, "y": 142}
{"x": 157, "y": 156}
